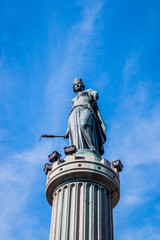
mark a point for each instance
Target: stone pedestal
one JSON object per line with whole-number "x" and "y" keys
{"x": 82, "y": 192}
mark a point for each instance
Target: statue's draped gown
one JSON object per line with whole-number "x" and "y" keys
{"x": 86, "y": 128}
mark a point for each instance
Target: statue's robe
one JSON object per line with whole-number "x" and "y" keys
{"x": 86, "y": 127}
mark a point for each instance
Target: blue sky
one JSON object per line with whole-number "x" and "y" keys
{"x": 114, "y": 47}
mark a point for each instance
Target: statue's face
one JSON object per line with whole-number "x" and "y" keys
{"x": 78, "y": 87}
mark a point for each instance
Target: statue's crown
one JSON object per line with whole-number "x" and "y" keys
{"x": 76, "y": 80}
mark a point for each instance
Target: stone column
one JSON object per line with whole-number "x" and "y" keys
{"x": 82, "y": 192}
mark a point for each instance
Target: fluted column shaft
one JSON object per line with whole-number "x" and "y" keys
{"x": 81, "y": 210}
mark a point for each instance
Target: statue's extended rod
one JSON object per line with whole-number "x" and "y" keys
{"x": 48, "y": 136}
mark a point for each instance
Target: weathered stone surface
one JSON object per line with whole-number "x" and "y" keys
{"x": 81, "y": 210}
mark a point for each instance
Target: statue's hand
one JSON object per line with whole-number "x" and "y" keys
{"x": 66, "y": 136}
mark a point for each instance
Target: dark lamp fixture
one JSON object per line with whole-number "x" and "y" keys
{"x": 55, "y": 156}
{"x": 70, "y": 150}
{"x": 47, "y": 167}
{"x": 118, "y": 165}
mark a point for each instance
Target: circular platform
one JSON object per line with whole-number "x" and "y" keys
{"x": 86, "y": 167}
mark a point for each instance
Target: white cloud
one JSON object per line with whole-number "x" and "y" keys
{"x": 79, "y": 39}
{"x": 18, "y": 173}
{"x": 130, "y": 69}
{"x": 132, "y": 199}
{"x": 134, "y": 139}
{"x": 147, "y": 232}
{"x": 135, "y": 136}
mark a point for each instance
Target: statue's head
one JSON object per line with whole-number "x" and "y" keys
{"x": 78, "y": 85}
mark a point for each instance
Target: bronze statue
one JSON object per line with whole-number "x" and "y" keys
{"x": 86, "y": 128}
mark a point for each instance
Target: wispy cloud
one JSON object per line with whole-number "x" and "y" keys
{"x": 134, "y": 139}
{"x": 132, "y": 199}
{"x": 82, "y": 34}
{"x": 21, "y": 170}
{"x": 146, "y": 233}
{"x": 135, "y": 136}
{"x": 130, "y": 69}
{"x": 18, "y": 173}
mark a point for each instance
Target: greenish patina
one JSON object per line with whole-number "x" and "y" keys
{"x": 86, "y": 128}
{"x": 85, "y": 152}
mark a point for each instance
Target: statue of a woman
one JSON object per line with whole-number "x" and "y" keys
{"x": 86, "y": 128}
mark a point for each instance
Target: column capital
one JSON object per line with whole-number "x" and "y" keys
{"x": 83, "y": 166}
